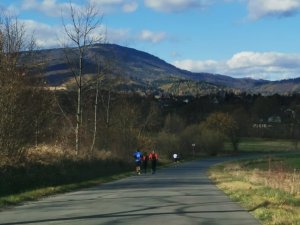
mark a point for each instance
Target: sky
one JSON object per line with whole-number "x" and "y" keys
{"x": 257, "y": 39}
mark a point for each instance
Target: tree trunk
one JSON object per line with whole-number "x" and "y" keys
{"x": 95, "y": 118}
{"x": 79, "y": 108}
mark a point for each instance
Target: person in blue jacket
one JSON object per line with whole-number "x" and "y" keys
{"x": 138, "y": 161}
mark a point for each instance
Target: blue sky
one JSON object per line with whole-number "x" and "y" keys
{"x": 240, "y": 38}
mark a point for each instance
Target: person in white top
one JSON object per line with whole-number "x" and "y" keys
{"x": 175, "y": 157}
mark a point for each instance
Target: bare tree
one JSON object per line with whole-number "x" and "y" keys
{"x": 99, "y": 75}
{"x": 11, "y": 35}
{"x": 21, "y": 101}
{"x": 83, "y": 23}
{"x": 152, "y": 118}
{"x": 225, "y": 124}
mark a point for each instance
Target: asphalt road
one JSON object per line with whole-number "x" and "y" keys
{"x": 181, "y": 195}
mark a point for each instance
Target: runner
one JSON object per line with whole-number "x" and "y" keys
{"x": 138, "y": 161}
{"x": 153, "y": 156}
{"x": 175, "y": 157}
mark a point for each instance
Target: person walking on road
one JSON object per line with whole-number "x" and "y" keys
{"x": 153, "y": 156}
{"x": 138, "y": 161}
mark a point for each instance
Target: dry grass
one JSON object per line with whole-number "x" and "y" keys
{"x": 286, "y": 181}
{"x": 46, "y": 166}
{"x": 270, "y": 192}
{"x": 50, "y": 154}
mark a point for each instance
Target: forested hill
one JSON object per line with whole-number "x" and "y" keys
{"x": 142, "y": 71}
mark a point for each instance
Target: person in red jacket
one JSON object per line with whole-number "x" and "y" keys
{"x": 153, "y": 156}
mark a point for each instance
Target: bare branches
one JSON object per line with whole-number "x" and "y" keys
{"x": 83, "y": 22}
{"x": 23, "y": 107}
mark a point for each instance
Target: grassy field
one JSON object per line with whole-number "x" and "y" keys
{"x": 268, "y": 187}
{"x": 263, "y": 145}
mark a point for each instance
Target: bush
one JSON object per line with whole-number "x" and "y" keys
{"x": 190, "y": 135}
{"x": 167, "y": 143}
{"x": 19, "y": 178}
{"x": 211, "y": 141}
{"x": 173, "y": 124}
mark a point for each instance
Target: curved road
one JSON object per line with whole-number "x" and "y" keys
{"x": 181, "y": 195}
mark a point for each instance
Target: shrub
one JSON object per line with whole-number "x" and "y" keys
{"x": 173, "y": 124}
{"x": 19, "y": 178}
{"x": 211, "y": 141}
{"x": 190, "y": 135}
{"x": 167, "y": 143}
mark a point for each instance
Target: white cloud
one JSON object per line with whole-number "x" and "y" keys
{"x": 154, "y": 37}
{"x": 269, "y": 65}
{"x": 55, "y": 8}
{"x": 256, "y": 59}
{"x": 48, "y": 7}
{"x": 279, "y": 8}
{"x": 119, "y": 36}
{"x": 46, "y": 36}
{"x": 109, "y": 6}
{"x": 176, "y": 5}
{"x": 197, "y": 66}
{"x": 130, "y": 7}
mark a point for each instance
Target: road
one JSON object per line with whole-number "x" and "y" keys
{"x": 181, "y": 195}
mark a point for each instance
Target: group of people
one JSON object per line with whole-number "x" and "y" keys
{"x": 141, "y": 160}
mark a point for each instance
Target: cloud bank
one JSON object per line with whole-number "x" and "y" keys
{"x": 257, "y": 9}
{"x": 48, "y": 7}
{"x": 153, "y": 37}
{"x": 268, "y": 65}
{"x": 272, "y": 8}
{"x": 54, "y": 8}
{"x": 176, "y": 5}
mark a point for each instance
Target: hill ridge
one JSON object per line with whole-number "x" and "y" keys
{"x": 145, "y": 69}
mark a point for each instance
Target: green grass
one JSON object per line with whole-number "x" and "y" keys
{"x": 294, "y": 162}
{"x": 287, "y": 163}
{"x": 263, "y": 145}
{"x": 250, "y": 184}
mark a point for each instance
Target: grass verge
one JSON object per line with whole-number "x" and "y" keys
{"x": 111, "y": 173}
{"x": 35, "y": 194}
{"x": 261, "y": 189}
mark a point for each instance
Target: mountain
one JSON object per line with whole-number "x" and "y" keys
{"x": 141, "y": 71}
{"x": 283, "y": 87}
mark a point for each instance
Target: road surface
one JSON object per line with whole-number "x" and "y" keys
{"x": 181, "y": 195}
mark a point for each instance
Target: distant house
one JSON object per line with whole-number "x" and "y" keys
{"x": 186, "y": 100}
{"x": 261, "y": 124}
{"x": 215, "y": 100}
{"x": 270, "y": 122}
{"x": 157, "y": 96}
{"x": 274, "y": 119}
{"x": 290, "y": 114}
